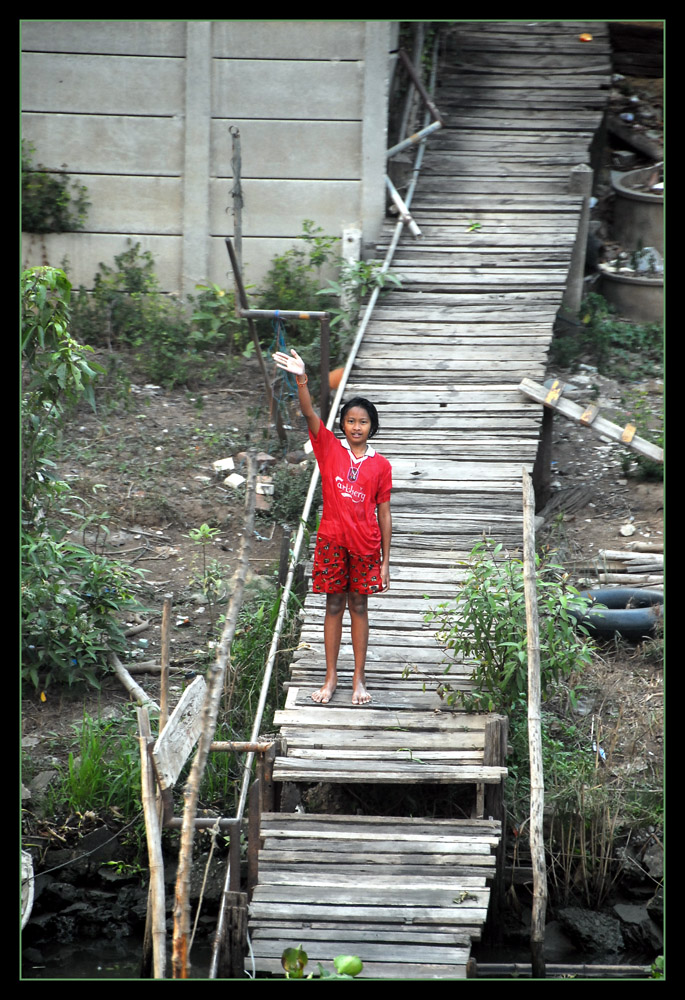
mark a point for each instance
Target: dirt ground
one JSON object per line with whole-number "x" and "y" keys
{"x": 153, "y": 467}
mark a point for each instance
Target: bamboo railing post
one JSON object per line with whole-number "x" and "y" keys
{"x": 180, "y": 964}
{"x": 254, "y": 823}
{"x": 156, "y": 899}
{"x": 537, "y": 788}
{"x": 164, "y": 657}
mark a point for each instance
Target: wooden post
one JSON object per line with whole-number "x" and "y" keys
{"x": 494, "y": 755}
{"x": 537, "y": 788}
{"x": 542, "y": 470}
{"x": 580, "y": 183}
{"x": 156, "y": 899}
{"x": 164, "y": 657}
{"x": 273, "y": 408}
{"x": 254, "y": 822}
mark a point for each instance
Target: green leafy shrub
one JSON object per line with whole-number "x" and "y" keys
{"x": 70, "y": 597}
{"x": 485, "y": 625}
{"x": 293, "y": 282}
{"x": 50, "y": 202}
{"x": 650, "y": 426}
{"x": 615, "y": 346}
{"x": 73, "y": 602}
{"x": 56, "y": 374}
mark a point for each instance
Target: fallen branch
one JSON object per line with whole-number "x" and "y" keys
{"x": 133, "y": 689}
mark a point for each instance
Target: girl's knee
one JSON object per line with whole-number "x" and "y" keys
{"x": 335, "y": 604}
{"x": 358, "y": 603}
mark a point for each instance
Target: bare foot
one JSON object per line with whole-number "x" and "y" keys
{"x": 360, "y": 696}
{"x": 324, "y": 694}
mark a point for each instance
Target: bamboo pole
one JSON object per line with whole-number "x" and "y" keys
{"x": 156, "y": 899}
{"x": 164, "y": 656}
{"x": 537, "y": 788}
{"x": 134, "y": 689}
{"x": 180, "y": 956}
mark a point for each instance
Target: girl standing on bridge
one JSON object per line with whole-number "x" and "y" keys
{"x": 352, "y": 553}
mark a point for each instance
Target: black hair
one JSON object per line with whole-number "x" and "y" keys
{"x": 366, "y": 405}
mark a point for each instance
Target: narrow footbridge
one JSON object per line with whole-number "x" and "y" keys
{"x": 442, "y": 358}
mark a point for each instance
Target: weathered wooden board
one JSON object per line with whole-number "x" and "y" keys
{"x": 180, "y": 734}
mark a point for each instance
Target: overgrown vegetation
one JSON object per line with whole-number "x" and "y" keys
{"x": 50, "y": 201}
{"x": 613, "y": 345}
{"x": 71, "y": 597}
{"x": 590, "y": 802}
{"x": 156, "y": 338}
{"x": 485, "y": 625}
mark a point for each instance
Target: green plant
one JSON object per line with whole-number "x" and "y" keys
{"x": 356, "y": 280}
{"x": 212, "y": 575}
{"x": 658, "y": 970}
{"x": 616, "y": 347}
{"x": 590, "y": 804}
{"x": 216, "y": 324}
{"x": 485, "y": 625}
{"x": 70, "y": 597}
{"x": 650, "y": 426}
{"x": 295, "y": 960}
{"x": 72, "y": 605}
{"x": 293, "y": 282}
{"x": 50, "y": 202}
{"x": 56, "y": 374}
{"x": 104, "y": 772}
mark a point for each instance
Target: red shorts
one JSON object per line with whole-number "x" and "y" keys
{"x": 337, "y": 570}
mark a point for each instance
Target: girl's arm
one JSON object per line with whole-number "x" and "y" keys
{"x": 295, "y": 365}
{"x": 385, "y": 524}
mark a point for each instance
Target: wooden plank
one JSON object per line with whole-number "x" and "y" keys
{"x": 176, "y": 742}
{"x": 600, "y": 425}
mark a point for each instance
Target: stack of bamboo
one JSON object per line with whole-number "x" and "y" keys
{"x": 641, "y": 565}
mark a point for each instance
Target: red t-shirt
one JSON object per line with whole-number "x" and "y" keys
{"x": 351, "y": 492}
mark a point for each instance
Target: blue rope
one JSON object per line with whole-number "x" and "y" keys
{"x": 279, "y": 343}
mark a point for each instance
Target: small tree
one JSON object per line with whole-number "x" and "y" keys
{"x": 70, "y": 596}
{"x": 485, "y": 625}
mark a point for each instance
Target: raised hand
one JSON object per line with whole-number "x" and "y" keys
{"x": 294, "y": 364}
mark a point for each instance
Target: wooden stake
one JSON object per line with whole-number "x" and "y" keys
{"x": 537, "y": 788}
{"x": 156, "y": 899}
{"x": 164, "y": 655}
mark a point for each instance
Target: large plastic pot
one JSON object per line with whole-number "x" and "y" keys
{"x": 638, "y": 214}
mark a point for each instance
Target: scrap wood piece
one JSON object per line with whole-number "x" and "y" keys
{"x": 599, "y": 424}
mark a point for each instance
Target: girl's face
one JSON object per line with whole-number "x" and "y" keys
{"x": 356, "y": 426}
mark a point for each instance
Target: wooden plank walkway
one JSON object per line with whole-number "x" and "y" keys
{"x": 406, "y": 895}
{"x": 443, "y": 358}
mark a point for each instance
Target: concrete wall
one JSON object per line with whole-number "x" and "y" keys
{"x": 140, "y": 112}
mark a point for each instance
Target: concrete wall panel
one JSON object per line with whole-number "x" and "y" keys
{"x": 140, "y": 38}
{"x": 270, "y": 207}
{"x": 293, "y": 150}
{"x": 295, "y": 39}
{"x": 134, "y": 204}
{"x": 286, "y": 89}
{"x": 87, "y": 251}
{"x": 140, "y": 111}
{"x": 113, "y": 85}
{"x": 102, "y": 144}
